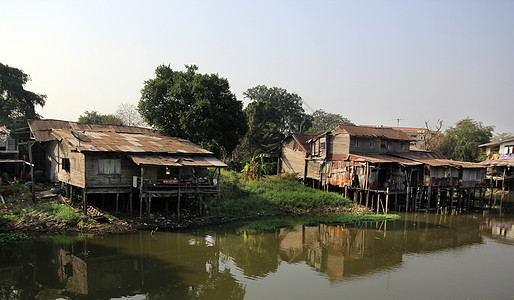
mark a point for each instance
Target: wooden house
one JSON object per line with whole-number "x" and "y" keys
{"x": 294, "y": 151}
{"x": 500, "y": 164}
{"x": 12, "y": 164}
{"x": 381, "y": 160}
{"x": 122, "y": 160}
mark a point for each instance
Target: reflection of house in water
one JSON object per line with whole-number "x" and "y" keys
{"x": 499, "y": 229}
{"x": 355, "y": 250}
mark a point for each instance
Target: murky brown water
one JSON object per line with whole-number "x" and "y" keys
{"x": 417, "y": 257}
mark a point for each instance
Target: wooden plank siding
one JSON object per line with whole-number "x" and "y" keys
{"x": 293, "y": 162}
{"x": 75, "y": 175}
{"x": 124, "y": 179}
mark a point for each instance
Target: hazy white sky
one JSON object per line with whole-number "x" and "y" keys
{"x": 370, "y": 61}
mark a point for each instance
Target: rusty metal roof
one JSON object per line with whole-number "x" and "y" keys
{"x": 498, "y": 163}
{"x": 496, "y": 143}
{"x": 176, "y": 161}
{"x": 303, "y": 140}
{"x": 377, "y": 132}
{"x": 436, "y": 160}
{"x": 378, "y": 158}
{"x": 110, "y": 138}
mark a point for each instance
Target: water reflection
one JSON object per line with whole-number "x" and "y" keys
{"x": 220, "y": 263}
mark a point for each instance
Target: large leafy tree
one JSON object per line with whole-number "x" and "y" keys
{"x": 94, "y": 117}
{"x": 15, "y": 101}
{"x": 194, "y": 106}
{"x": 272, "y": 114}
{"x": 461, "y": 142}
{"x": 323, "y": 121}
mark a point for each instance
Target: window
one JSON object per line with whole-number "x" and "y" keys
{"x": 109, "y": 166}
{"x": 65, "y": 164}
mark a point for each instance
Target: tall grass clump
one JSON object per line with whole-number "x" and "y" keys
{"x": 62, "y": 213}
{"x": 273, "y": 194}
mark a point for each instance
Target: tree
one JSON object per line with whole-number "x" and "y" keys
{"x": 194, "y": 106}
{"x": 461, "y": 142}
{"x": 432, "y": 138}
{"x": 93, "y": 117}
{"x": 501, "y": 137}
{"x": 129, "y": 115}
{"x": 272, "y": 114}
{"x": 15, "y": 101}
{"x": 323, "y": 121}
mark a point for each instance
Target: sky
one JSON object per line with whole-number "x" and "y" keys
{"x": 373, "y": 62}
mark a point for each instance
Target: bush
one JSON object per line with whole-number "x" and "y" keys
{"x": 61, "y": 212}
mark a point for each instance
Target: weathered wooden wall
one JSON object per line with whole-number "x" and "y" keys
{"x": 94, "y": 179}
{"x": 293, "y": 161}
{"x": 56, "y": 152}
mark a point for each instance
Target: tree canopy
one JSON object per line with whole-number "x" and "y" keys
{"x": 461, "y": 142}
{"x": 323, "y": 121}
{"x": 15, "y": 101}
{"x": 272, "y": 114}
{"x": 194, "y": 106}
{"x": 93, "y": 117}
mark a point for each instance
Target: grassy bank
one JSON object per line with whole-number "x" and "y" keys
{"x": 272, "y": 224}
{"x": 274, "y": 194}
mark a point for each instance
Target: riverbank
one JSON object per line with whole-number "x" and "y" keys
{"x": 241, "y": 199}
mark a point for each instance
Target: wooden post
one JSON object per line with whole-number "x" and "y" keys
{"x": 117, "y": 201}
{"x": 141, "y": 192}
{"x": 378, "y": 202}
{"x": 131, "y": 207}
{"x": 346, "y": 191}
{"x": 178, "y": 195}
{"x": 407, "y": 200}
{"x": 32, "y": 183}
{"x": 149, "y": 206}
{"x": 387, "y": 200}
{"x": 84, "y": 201}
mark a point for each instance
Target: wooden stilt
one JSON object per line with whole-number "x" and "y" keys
{"x": 117, "y": 201}
{"x": 387, "y": 200}
{"x": 84, "y": 201}
{"x": 407, "y": 199}
{"x": 131, "y": 207}
{"x": 141, "y": 192}
{"x": 378, "y": 202}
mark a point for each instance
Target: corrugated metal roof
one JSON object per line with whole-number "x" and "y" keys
{"x": 435, "y": 160}
{"x": 386, "y": 133}
{"x": 497, "y": 143}
{"x": 110, "y": 138}
{"x": 303, "y": 140}
{"x": 176, "y": 161}
{"x": 498, "y": 163}
{"x": 42, "y": 129}
{"x": 377, "y": 158}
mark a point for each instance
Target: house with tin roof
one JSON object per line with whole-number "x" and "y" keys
{"x": 500, "y": 163}
{"x": 94, "y": 160}
{"x": 381, "y": 160}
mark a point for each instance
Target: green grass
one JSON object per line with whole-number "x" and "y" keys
{"x": 61, "y": 212}
{"x": 277, "y": 193}
{"x": 273, "y": 224}
{"x": 8, "y": 218}
{"x": 13, "y": 237}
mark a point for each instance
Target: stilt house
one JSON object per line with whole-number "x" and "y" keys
{"x": 295, "y": 151}
{"x": 379, "y": 160}
{"x": 500, "y": 164}
{"x": 121, "y": 160}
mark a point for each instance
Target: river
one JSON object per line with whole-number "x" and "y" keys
{"x": 419, "y": 256}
